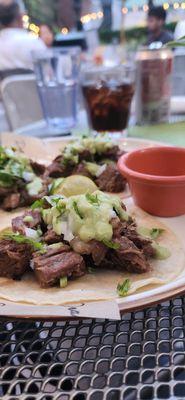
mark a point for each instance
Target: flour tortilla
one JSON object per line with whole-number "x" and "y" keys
{"x": 101, "y": 285}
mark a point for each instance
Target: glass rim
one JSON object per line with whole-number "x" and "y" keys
{"x": 55, "y": 51}
{"x": 92, "y": 68}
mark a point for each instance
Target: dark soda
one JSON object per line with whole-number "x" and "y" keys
{"x": 108, "y": 106}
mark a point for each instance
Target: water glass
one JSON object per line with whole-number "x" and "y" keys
{"x": 57, "y": 81}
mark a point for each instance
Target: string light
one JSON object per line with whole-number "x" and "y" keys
{"x": 124, "y": 10}
{"x": 145, "y": 7}
{"x": 93, "y": 16}
{"x": 100, "y": 14}
{"x": 183, "y": 6}
{"x": 25, "y": 20}
{"x": 166, "y": 6}
{"x": 176, "y": 6}
{"x": 64, "y": 31}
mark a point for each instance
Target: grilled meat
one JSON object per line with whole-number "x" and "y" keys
{"x": 111, "y": 180}
{"x": 58, "y": 263}
{"x": 14, "y": 258}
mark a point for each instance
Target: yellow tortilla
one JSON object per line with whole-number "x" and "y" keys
{"x": 101, "y": 285}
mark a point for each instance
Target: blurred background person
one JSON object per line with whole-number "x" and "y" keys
{"x": 46, "y": 34}
{"x": 156, "y": 26}
{"x": 16, "y": 44}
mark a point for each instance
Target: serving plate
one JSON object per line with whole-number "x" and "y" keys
{"x": 104, "y": 309}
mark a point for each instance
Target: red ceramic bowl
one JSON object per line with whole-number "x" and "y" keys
{"x": 156, "y": 176}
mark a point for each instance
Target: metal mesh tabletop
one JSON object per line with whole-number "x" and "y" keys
{"x": 140, "y": 357}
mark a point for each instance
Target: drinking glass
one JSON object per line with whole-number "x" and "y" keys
{"x": 108, "y": 93}
{"x": 57, "y": 81}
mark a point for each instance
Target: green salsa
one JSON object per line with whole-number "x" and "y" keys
{"x": 85, "y": 216}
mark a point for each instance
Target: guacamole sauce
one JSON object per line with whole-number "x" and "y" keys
{"x": 85, "y": 216}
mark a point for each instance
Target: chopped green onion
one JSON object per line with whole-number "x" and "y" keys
{"x": 156, "y": 232}
{"x": 55, "y": 185}
{"x": 63, "y": 282}
{"x": 92, "y": 198}
{"x": 75, "y": 206}
{"x": 123, "y": 288}
{"x": 37, "y": 204}
{"x": 23, "y": 239}
{"x": 111, "y": 245}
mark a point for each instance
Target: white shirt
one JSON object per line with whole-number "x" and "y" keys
{"x": 179, "y": 30}
{"x": 16, "y": 46}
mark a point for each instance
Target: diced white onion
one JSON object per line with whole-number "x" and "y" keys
{"x": 101, "y": 170}
{"x": 32, "y": 264}
{"x": 28, "y": 176}
{"x": 31, "y": 233}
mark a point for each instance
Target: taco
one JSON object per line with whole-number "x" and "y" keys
{"x": 93, "y": 157}
{"x": 84, "y": 248}
{"x": 21, "y": 179}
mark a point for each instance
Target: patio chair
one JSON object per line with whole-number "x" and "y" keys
{"x": 21, "y": 102}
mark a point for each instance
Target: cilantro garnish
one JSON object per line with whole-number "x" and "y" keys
{"x": 156, "y": 232}
{"x": 123, "y": 288}
{"x": 111, "y": 245}
{"x": 23, "y": 239}
{"x": 7, "y": 179}
{"x": 75, "y": 206}
{"x": 37, "y": 204}
{"x": 92, "y": 198}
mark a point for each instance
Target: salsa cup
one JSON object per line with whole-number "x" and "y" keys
{"x": 156, "y": 176}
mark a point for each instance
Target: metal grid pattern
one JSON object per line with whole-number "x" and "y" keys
{"x": 140, "y": 357}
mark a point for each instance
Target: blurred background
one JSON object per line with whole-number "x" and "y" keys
{"x": 104, "y": 16}
{"x": 78, "y": 64}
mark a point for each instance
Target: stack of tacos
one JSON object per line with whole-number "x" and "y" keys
{"x": 83, "y": 247}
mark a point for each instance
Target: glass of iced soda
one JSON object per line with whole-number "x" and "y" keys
{"x": 108, "y": 93}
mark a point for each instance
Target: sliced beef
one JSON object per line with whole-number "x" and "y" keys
{"x": 5, "y": 191}
{"x": 129, "y": 257}
{"x": 95, "y": 249}
{"x": 85, "y": 155}
{"x": 112, "y": 154}
{"x": 38, "y": 169}
{"x": 14, "y": 259}
{"x": 51, "y": 237}
{"x": 11, "y": 202}
{"x": 111, "y": 180}
{"x": 19, "y": 225}
{"x": 50, "y": 267}
{"x": 81, "y": 169}
{"x": 129, "y": 230}
{"x": 58, "y": 168}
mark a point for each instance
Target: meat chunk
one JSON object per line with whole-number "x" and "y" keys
{"x": 11, "y": 202}
{"x": 96, "y": 249}
{"x": 14, "y": 258}
{"x": 38, "y": 169}
{"x": 129, "y": 230}
{"x": 129, "y": 257}
{"x": 58, "y": 168}
{"x": 81, "y": 169}
{"x": 111, "y": 180}
{"x": 19, "y": 224}
{"x": 112, "y": 154}
{"x": 51, "y": 237}
{"x": 85, "y": 155}
{"x": 52, "y": 266}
